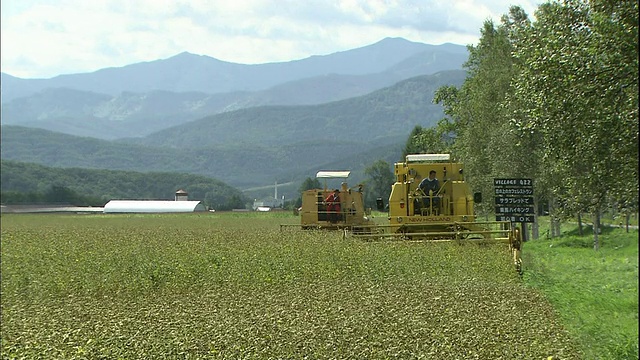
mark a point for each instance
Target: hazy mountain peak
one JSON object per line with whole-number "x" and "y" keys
{"x": 188, "y": 72}
{"x": 395, "y": 40}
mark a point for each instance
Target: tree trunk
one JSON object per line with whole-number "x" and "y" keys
{"x": 627, "y": 218}
{"x": 596, "y": 229}
{"x": 580, "y": 224}
{"x": 535, "y": 231}
{"x": 553, "y": 219}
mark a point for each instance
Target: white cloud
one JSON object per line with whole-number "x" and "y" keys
{"x": 45, "y": 38}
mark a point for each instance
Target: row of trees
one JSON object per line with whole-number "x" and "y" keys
{"x": 53, "y": 194}
{"x": 556, "y": 100}
{"x": 26, "y": 183}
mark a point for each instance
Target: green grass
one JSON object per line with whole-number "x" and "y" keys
{"x": 618, "y": 219}
{"x": 233, "y": 286}
{"x": 595, "y": 292}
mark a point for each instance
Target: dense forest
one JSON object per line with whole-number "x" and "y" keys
{"x": 26, "y": 183}
{"x": 555, "y": 100}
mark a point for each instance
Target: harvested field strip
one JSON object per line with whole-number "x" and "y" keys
{"x": 229, "y": 288}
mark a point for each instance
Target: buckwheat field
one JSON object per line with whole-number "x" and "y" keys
{"x": 234, "y": 286}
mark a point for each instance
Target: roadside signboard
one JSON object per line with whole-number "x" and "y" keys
{"x": 514, "y": 200}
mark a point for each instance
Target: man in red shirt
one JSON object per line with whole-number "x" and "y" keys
{"x": 333, "y": 206}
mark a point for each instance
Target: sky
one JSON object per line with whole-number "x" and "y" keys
{"x": 46, "y": 38}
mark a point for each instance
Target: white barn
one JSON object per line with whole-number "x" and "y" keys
{"x": 153, "y": 206}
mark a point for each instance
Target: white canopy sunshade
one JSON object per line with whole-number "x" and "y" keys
{"x": 333, "y": 174}
{"x": 428, "y": 157}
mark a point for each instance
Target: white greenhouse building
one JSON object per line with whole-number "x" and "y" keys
{"x": 153, "y": 206}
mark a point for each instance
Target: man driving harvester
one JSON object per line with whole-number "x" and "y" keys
{"x": 430, "y": 187}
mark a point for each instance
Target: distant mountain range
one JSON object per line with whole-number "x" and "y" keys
{"x": 187, "y": 72}
{"x": 247, "y": 125}
{"x": 139, "y": 99}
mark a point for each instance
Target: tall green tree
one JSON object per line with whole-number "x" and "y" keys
{"x": 307, "y": 184}
{"x": 380, "y": 178}
{"x": 578, "y": 88}
{"x": 485, "y": 138}
{"x": 434, "y": 140}
{"x": 413, "y": 145}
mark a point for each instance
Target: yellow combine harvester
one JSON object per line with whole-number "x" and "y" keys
{"x": 320, "y": 210}
{"x": 442, "y": 211}
{"x": 434, "y": 211}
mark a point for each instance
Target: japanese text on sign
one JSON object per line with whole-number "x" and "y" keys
{"x": 514, "y": 200}
{"x": 514, "y": 191}
{"x": 514, "y": 209}
{"x": 516, "y": 218}
{"x": 522, "y": 200}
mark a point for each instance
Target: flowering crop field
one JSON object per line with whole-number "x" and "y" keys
{"x": 234, "y": 286}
